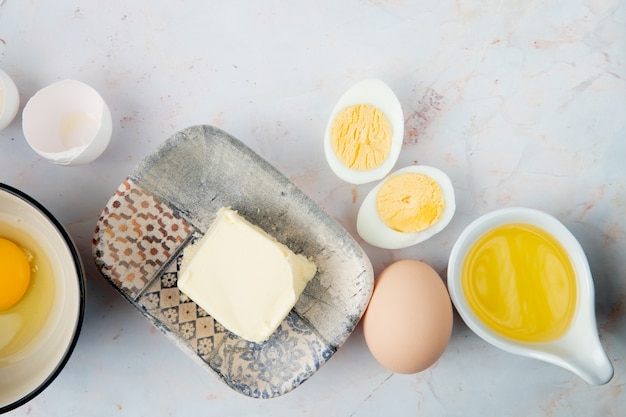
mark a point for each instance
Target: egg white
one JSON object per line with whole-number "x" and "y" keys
{"x": 374, "y": 231}
{"x": 378, "y": 94}
{"x": 10, "y": 100}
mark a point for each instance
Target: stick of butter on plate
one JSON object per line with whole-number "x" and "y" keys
{"x": 243, "y": 277}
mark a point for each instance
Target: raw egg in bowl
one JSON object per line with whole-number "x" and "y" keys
{"x": 409, "y": 206}
{"x": 521, "y": 281}
{"x": 42, "y": 298}
{"x": 364, "y": 134}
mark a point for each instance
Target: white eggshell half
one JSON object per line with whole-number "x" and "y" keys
{"x": 378, "y": 94}
{"x": 375, "y": 232}
{"x": 67, "y": 122}
{"x": 9, "y": 100}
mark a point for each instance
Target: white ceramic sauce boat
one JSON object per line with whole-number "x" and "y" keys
{"x": 579, "y": 349}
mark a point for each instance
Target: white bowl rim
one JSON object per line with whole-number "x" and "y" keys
{"x": 81, "y": 304}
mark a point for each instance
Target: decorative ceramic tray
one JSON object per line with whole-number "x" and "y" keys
{"x": 170, "y": 199}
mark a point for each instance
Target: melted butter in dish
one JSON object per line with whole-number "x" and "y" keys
{"x": 520, "y": 281}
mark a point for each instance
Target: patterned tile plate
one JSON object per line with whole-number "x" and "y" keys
{"x": 170, "y": 199}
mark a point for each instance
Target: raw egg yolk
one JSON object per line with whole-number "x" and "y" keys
{"x": 410, "y": 202}
{"x": 361, "y": 137}
{"x": 14, "y": 273}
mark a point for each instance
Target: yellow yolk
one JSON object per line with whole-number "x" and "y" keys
{"x": 14, "y": 273}
{"x": 361, "y": 137}
{"x": 520, "y": 281}
{"x": 21, "y": 324}
{"x": 410, "y": 202}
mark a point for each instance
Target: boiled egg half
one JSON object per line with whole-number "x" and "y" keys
{"x": 407, "y": 207}
{"x": 364, "y": 134}
{"x": 9, "y": 100}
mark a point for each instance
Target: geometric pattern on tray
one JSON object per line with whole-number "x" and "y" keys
{"x": 142, "y": 234}
{"x": 291, "y": 355}
{"x": 177, "y": 314}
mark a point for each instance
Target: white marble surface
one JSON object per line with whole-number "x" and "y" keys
{"x": 520, "y": 102}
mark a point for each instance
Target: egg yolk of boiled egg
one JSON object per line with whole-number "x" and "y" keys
{"x": 14, "y": 273}
{"x": 361, "y": 137}
{"x": 410, "y": 202}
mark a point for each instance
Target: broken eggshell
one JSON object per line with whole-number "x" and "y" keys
{"x": 68, "y": 123}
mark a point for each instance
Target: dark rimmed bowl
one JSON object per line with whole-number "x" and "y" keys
{"x": 25, "y": 374}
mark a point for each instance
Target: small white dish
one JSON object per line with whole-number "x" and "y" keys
{"x": 68, "y": 123}
{"x": 9, "y": 100}
{"x": 579, "y": 349}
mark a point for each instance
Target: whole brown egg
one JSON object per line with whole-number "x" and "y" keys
{"x": 408, "y": 322}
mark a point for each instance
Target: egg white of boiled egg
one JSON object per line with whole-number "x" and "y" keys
{"x": 378, "y": 94}
{"x": 373, "y": 229}
{"x": 9, "y": 100}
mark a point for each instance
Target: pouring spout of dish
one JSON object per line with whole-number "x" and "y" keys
{"x": 590, "y": 363}
{"x": 581, "y": 352}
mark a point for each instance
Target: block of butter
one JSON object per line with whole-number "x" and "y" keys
{"x": 243, "y": 277}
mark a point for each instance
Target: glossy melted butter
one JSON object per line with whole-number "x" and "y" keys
{"x": 519, "y": 281}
